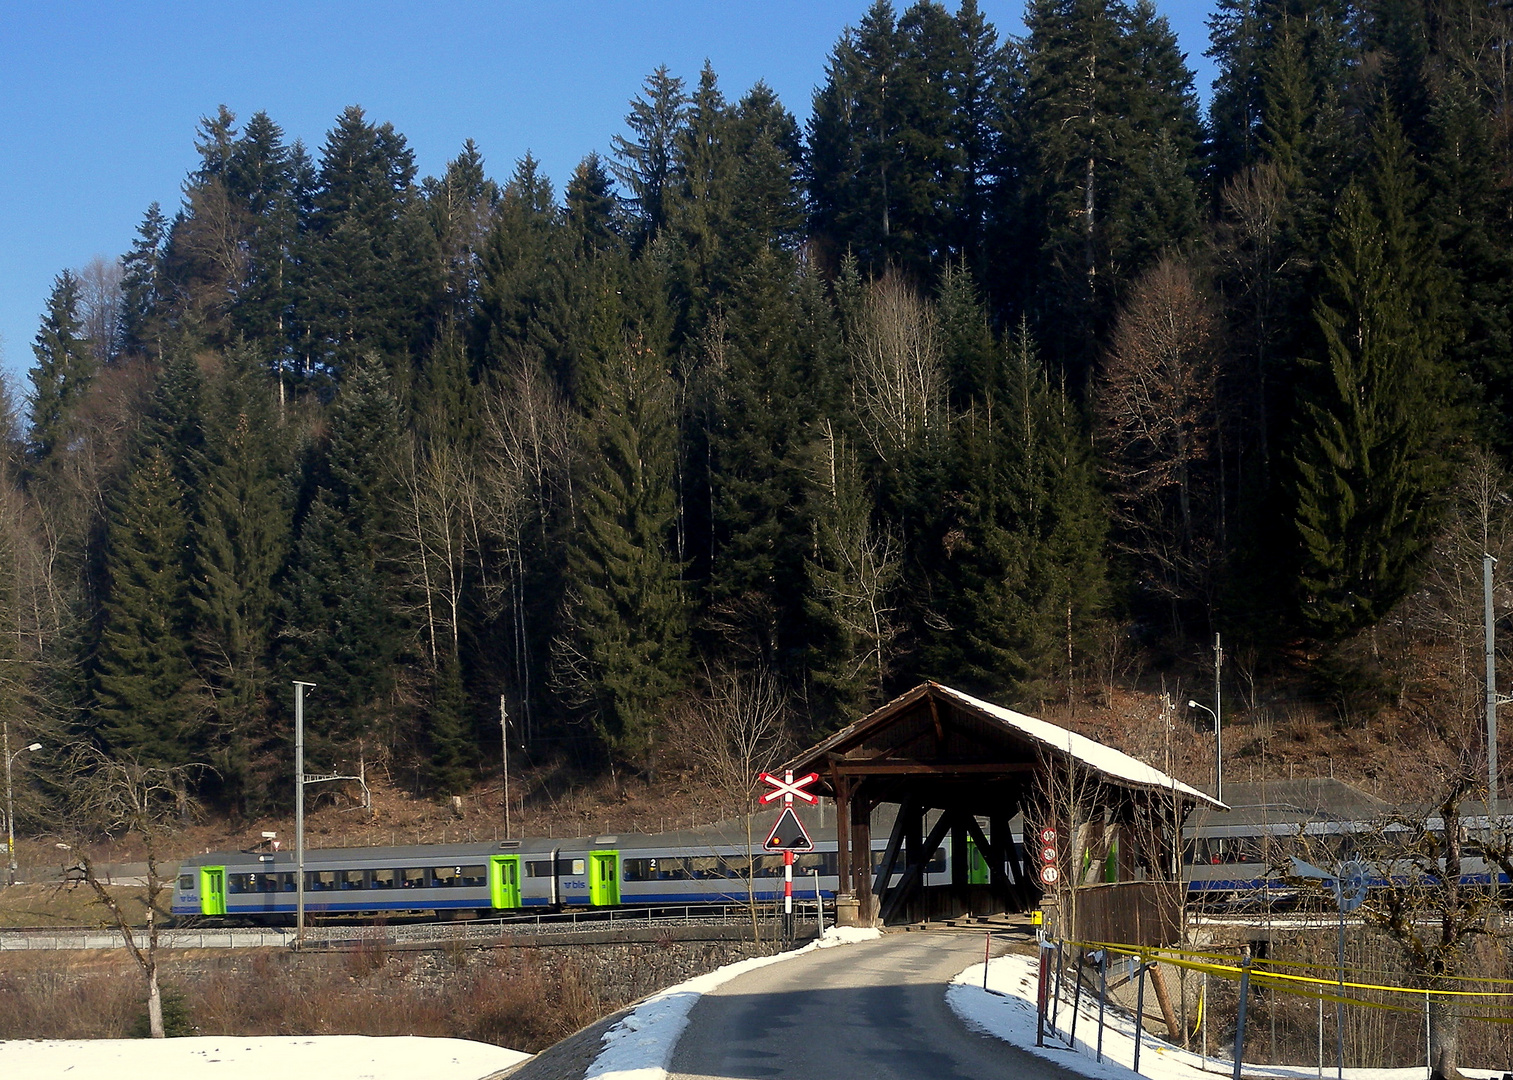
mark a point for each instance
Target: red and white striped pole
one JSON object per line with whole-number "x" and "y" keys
{"x": 788, "y": 862}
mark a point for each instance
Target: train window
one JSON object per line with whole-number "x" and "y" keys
{"x": 937, "y": 863}
{"x": 320, "y": 880}
{"x": 351, "y": 879}
{"x": 382, "y": 879}
{"x": 571, "y": 867}
{"x": 638, "y": 869}
{"x": 769, "y": 866}
{"x": 236, "y": 883}
{"x": 539, "y": 868}
{"x": 705, "y": 867}
{"x": 446, "y": 877}
{"x": 736, "y": 867}
{"x": 810, "y": 861}
{"x": 674, "y": 869}
{"x": 186, "y": 882}
{"x": 474, "y": 877}
{"x": 262, "y": 883}
{"x": 413, "y": 877}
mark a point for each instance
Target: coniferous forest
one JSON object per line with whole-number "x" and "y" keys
{"x": 1007, "y": 362}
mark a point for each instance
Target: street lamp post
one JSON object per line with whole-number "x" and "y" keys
{"x": 10, "y": 799}
{"x": 1218, "y": 750}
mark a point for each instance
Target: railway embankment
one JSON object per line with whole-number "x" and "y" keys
{"x": 525, "y": 994}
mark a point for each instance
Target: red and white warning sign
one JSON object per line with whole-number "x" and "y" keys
{"x": 785, "y": 787}
{"x": 1049, "y": 874}
{"x": 1048, "y": 836}
{"x": 789, "y": 834}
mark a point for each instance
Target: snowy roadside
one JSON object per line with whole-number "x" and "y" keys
{"x": 1008, "y": 1013}
{"x": 640, "y": 1046}
{"x": 334, "y": 1057}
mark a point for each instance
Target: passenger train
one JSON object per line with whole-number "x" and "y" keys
{"x": 1231, "y": 860}
{"x": 488, "y": 878}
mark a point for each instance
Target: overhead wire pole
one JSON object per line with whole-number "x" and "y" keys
{"x": 299, "y": 811}
{"x": 1487, "y": 562}
{"x": 1218, "y": 722}
{"x": 504, "y": 739}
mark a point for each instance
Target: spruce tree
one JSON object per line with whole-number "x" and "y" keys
{"x": 149, "y": 703}
{"x": 364, "y": 257}
{"x": 65, "y": 367}
{"x": 241, "y": 545}
{"x": 646, "y": 162}
{"x": 344, "y": 621}
{"x": 592, "y": 214}
{"x": 624, "y": 653}
{"x": 1018, "y": 568}
{"x": 1368, "y": 461}
{"x": 141, "y": 286}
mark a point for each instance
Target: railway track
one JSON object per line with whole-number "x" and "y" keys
{"x": 587, "y": 926}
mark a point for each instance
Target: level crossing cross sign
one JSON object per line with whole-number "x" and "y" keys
{"x": 785, "y": 787}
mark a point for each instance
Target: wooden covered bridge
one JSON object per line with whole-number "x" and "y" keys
{"x": 937, "y": 753}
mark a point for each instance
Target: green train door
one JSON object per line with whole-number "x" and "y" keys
{"x": 212, "y": 890}
{"x": 504, "y": 881}
{"x": 977, "y": 866}
{"x": 603, "y": 878}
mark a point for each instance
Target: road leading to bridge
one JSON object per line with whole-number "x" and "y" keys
{"x": 876, "y": 1009}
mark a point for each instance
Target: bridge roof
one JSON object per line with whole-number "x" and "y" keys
{"x": 974, "y": 737}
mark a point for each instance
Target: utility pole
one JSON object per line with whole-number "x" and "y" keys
{"x": 504, "y": 739}
{"x": 299, "y": 811}
{"x": 1487, "y": 562}
{"x": 1218, "y": 721}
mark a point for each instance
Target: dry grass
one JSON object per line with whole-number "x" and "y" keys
{"x": 63, "y": 905}
{"x": 510, "y": 997}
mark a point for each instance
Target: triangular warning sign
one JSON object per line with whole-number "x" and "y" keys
{"x": 788, "y": 834}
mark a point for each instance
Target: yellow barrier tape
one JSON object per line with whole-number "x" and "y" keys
{"x": 1301, "y": 986}
{"x": 1269, "y": 962}
{"x": 1276, "y": 979}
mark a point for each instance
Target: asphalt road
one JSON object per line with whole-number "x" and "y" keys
{"x": 872, "y": 1010}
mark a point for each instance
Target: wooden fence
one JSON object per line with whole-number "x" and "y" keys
{"x": 1130, "y": 912}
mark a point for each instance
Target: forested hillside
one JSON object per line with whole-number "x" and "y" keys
{"x": 1005, "y": 364}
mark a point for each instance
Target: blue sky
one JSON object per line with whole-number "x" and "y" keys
{"x": 99, "y": 101}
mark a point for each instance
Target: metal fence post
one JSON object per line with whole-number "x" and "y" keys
{"x": 1071, "y": 1039}
{"x": 1240, "y": 1019}
{"x": 1139, "y": 1012}
{"x": 1102, "y": 995}
{"x": 1056, "y": 989}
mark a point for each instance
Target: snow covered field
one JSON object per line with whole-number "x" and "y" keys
{"x": 1009, "y": 1014}
{"x": 332, "y": 1057}
{"x": 640, "y": 1046}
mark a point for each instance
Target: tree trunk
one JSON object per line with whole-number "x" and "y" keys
{"x": 154, "y": 1003}
{"x": 1444, "y": 1039}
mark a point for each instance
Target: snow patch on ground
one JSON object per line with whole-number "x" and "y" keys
{"x": 331, "y": 1057}
{"x": 1008, "y": 1013}
{"x": 640, "y": 1046}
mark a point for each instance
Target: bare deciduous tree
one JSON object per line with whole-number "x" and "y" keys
{"x": 1416, "y": 863}
{"x": 1156, "y": 401}
{"x": 899, "y": 366}
{"x": 100, "y": 307}
{"x": 121, "y": 796}
{"x": 856, "y": 564}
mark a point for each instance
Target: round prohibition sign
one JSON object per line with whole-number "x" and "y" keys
{"x": 1047, "y": 854}
{"x": 1049, "y": 875}
{"x": 1047, "y": 835}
